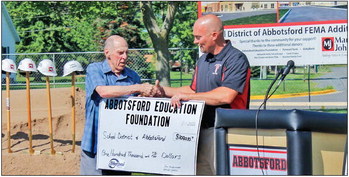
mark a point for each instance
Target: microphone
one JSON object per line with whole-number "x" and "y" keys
{"x": 289, "y": 65}
{"x": 270, "y": 86}
{"x": 283, "y": 72}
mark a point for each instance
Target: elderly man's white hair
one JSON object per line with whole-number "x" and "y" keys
{"x": 110, "y": 42}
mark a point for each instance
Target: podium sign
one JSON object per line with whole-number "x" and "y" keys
{"x": 148, "y": 135}
{"x": 248, "y": 160}
{"x": 291, "y": 142}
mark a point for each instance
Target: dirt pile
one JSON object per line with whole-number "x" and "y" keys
{"x": 20, "y": 162}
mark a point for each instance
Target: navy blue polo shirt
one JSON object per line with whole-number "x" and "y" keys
{"x": 230, "y": 68}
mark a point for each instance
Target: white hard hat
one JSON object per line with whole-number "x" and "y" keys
{"x": 8, "y": 65}
{"x": 27, "y": 64}
{"x": 71, "y": 66}
{"x": 47, "y": 68}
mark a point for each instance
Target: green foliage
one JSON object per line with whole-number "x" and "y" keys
{"x": 47, "y": 26}
{"x": 29, "y": 26}
{"x": 182, "y": 34}
{"x": 122, "y": 22}
{"x": 73, "y": 26}
{"x": 159, "y": 26}
{"x": 80, "y": 26}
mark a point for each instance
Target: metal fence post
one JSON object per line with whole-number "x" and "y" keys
{"x": 54, "y": 77}
{"x": 180, "y": 68}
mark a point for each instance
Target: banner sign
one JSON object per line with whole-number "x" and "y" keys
{"x": 147, "y": 135}
{"x": 306, "y": 43}
{"x": 248, "y": 160}
{"x": 274, "y": 32}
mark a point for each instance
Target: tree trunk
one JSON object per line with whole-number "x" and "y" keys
{"x": 162, "y": 61}
{"x": 159, "y": 37}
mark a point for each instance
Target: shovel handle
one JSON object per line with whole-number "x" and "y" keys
{"x": 73, "y": 110}
{"x": 8, "y": 112}
{"x": 49, "y": 113}
{"x": 31, "y": 150}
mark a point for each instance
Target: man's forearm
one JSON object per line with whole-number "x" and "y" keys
{"x": 170, "y": 91}
{"x": 215, "y": 97}
{"x": 118, "y": 91}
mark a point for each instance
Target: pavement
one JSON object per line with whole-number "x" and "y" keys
{"x": 314, "y": 13}
{"x": 336, "y": 98}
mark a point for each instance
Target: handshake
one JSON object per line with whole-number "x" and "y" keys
{"x": 149, "y": 90}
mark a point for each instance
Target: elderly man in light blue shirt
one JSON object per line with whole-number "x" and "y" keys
{"x": 106, "y": 79}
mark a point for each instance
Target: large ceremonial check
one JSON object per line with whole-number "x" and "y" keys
{"x": 148, "y": 135}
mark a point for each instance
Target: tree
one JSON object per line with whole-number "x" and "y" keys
{"x": 182, "y": 34}
{"x": 122, "y": 21}
{"x": 159, "y": 29}
{"x": 73, "y": 26}
{"x": 79, "y": 26}
{"x": 51, "y": 26}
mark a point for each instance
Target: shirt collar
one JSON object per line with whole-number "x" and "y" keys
{"x": 106, "y": 68}
{"x": 212, "y": 58}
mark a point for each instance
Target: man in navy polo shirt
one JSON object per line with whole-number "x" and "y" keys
{"x": 221, "y": 79}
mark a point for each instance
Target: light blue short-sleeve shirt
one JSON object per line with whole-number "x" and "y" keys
{"x": 100, "y": 74}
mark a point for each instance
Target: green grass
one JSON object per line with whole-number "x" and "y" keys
{"x": 258, "y": 19}
{"x": 43, "y": 86}
{"x": 21, "y": 79}
{"x": 339, "y": 111}
{"x": 63, "y": 82}
{"x": 177, "y": 75}
{"x": 299, "y": 85}
{"x": 259, "y": 87}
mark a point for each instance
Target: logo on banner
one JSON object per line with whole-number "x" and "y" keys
{"x": 50, "y": 69}
{"x": 30, "y": 65}
{"x": 328, "y": 44}
{"x": 115, "y": 163}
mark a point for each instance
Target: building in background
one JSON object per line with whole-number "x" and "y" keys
{"x": 9, "y": 37}
{"x": 238, "y": 6}
{"x": 235, "y": 6}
